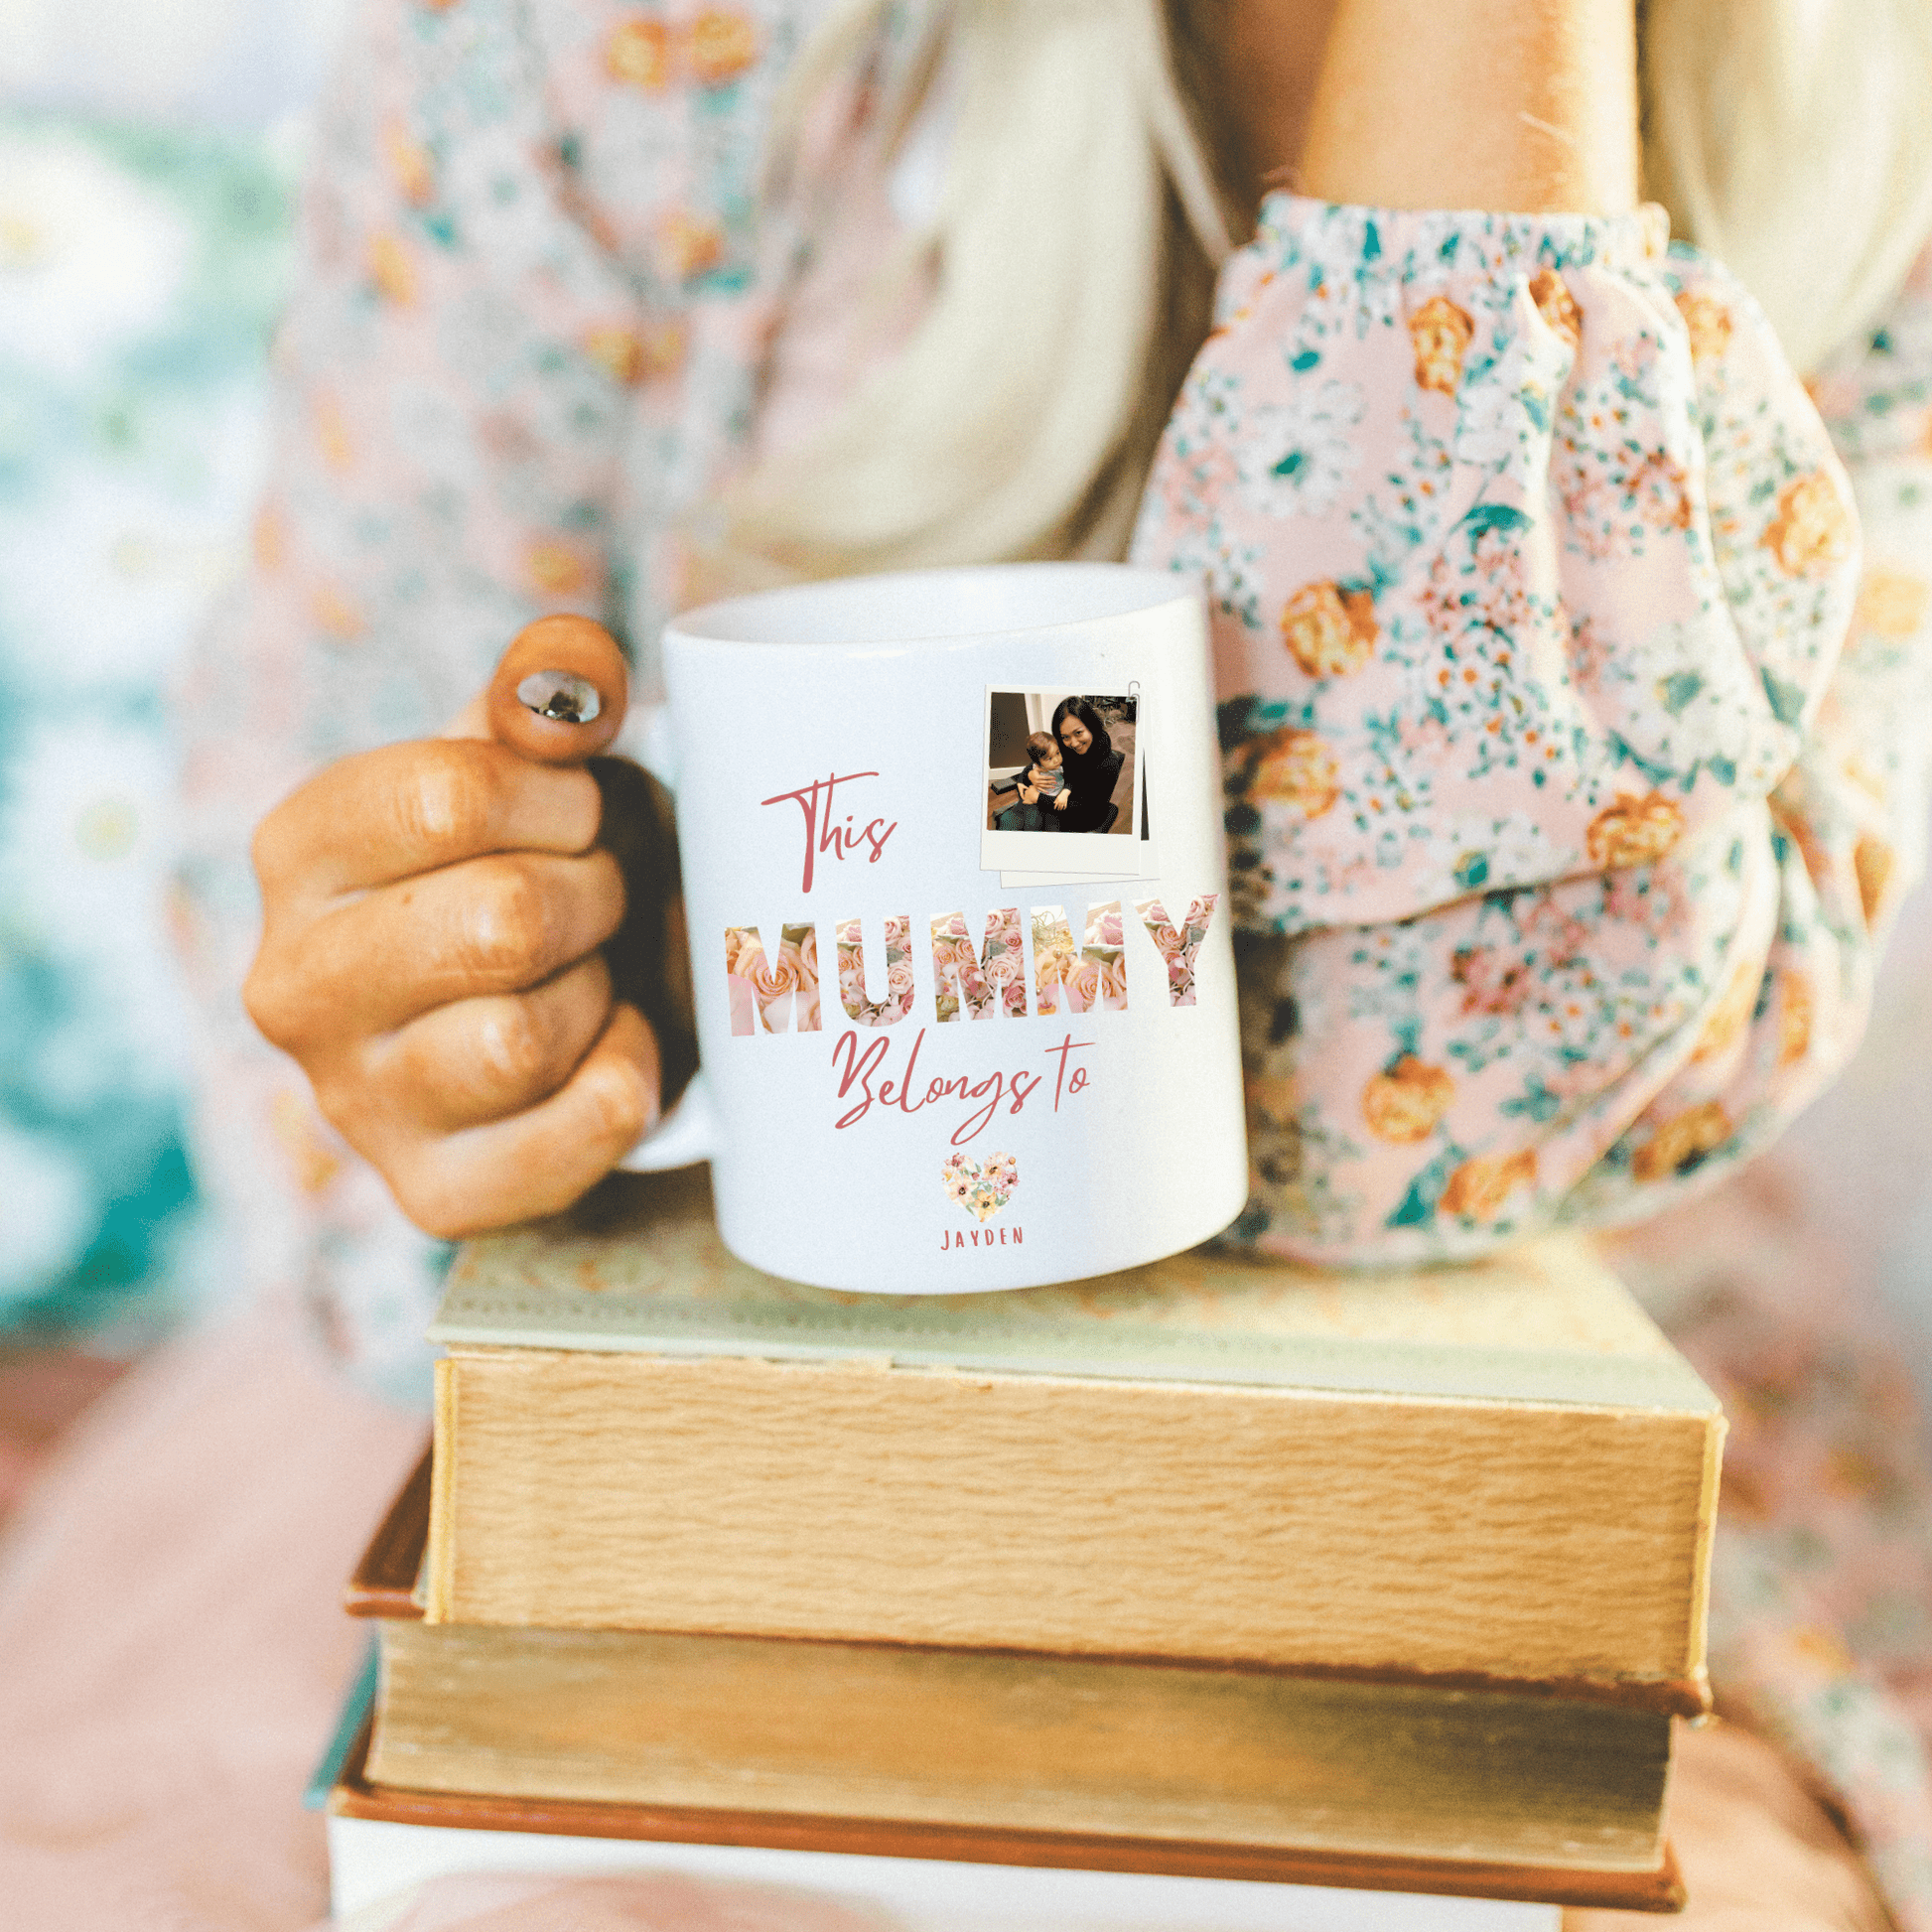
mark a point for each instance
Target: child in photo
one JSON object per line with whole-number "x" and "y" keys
{"x": 1043, "y": 791}
{"x": 1045, "y": 781}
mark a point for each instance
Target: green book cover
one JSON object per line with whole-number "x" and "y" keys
{"x": 1547, "y": 1321}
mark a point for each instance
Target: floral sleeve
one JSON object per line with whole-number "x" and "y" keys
{"x": 1558, "y": 831}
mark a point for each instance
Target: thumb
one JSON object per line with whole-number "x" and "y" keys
{"x": 557, "y": 696}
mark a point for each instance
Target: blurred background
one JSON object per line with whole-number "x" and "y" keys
{"x": 149, "y": 156}
{"x": 149, "y": 153}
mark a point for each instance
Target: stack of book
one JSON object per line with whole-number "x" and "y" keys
{"x": 1164, "y": 1600}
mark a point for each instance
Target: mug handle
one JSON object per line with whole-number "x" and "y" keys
{"x": 686, "y": 1135}
{"x": 639, "y": 829}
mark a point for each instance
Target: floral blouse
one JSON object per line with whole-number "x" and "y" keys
{"x": 1563, "y": 810}
{"x": 1567, "y": 817}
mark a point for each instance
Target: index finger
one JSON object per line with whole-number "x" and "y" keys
{"x": 413, "y": 807}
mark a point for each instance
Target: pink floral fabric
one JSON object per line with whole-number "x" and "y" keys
{"x": 1531, "y": 564}
{"x": 529, "y": 332}
{"x": 1577, "y": 762}
{"x": 1573, "y": 769}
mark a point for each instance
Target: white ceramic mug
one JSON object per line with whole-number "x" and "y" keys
{"x": 946, "y": 1046}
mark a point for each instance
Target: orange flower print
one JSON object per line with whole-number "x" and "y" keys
{"x": 1872, "y": 859}
{"x": 663, "y": 344}
{"x": 1294, "y": 768}
{"x": 409, "y": 165}
{"x": 1329, "y": 631}
{"x": 639, "y": 53}
{"x": 1794, "y": 1019}
{"x": 634, "y": 355}
{"x": 688, "y": 246}
{"x": 559, "y": 569}
{"x": 1796, "y": 827}
{"x": 269, "y": 540}
{"x": 392, "y": 270}
{"x": 1728, "y": 1017}
{"x": 1708, "y": 323}
{"x": 1682, "y": 1143}
{"x": 1660, "y": 492}
{"x": 331, "y": 434}
{"x": 1440, "y": 332}
{"x": 1811, "y": 535}
{"x": 1480, "y": 1188}
{"x": 1634, "y": 831}
{"x": 1821, "y": 1648}
{"x": 1892, "y": 603}
{"x": 620, "y": 352}
{"x": 1405, "y": 1103}
{"x": 1557, "y": 305}
{"x": 336, "y": 615}
{"x": 721, "y": 44}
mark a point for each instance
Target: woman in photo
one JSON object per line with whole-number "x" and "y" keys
{"x": 1092, "y": 767}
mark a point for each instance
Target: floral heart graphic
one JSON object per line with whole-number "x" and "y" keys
{"x": 981, "y": 1190}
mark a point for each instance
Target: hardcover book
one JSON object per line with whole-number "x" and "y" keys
{"x": 383, "y": 1843}
{"x": 1164, "y": 1768}
{"x": 1490, "y": 1476}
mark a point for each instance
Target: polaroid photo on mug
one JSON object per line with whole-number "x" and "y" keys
{"x": 1062, "y": 784}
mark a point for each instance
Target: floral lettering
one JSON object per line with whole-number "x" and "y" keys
{"x": 1094, "y": 980}
{"x": 765, "y": 993}
{"x": 1179, "y": 944}
{"x": 969, "y": 985}
{"x": 898, "y": 1002}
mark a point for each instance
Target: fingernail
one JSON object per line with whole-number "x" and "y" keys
{"x": 557, "y": 694}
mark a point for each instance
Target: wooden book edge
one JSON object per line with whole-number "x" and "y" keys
{"x": 383, "y": 1583}
{"x": 1658, "y": 1890}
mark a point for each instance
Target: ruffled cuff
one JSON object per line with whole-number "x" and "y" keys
{"x": 1528, "y": 554}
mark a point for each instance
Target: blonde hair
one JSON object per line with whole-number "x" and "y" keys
{"x": 1792, "y": 138}
{"x": 1088, "y": 200}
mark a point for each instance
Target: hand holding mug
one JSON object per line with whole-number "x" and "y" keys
{"x": 438, "y": 920}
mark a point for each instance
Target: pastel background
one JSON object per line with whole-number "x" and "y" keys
{"x": 148, "y": 151}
